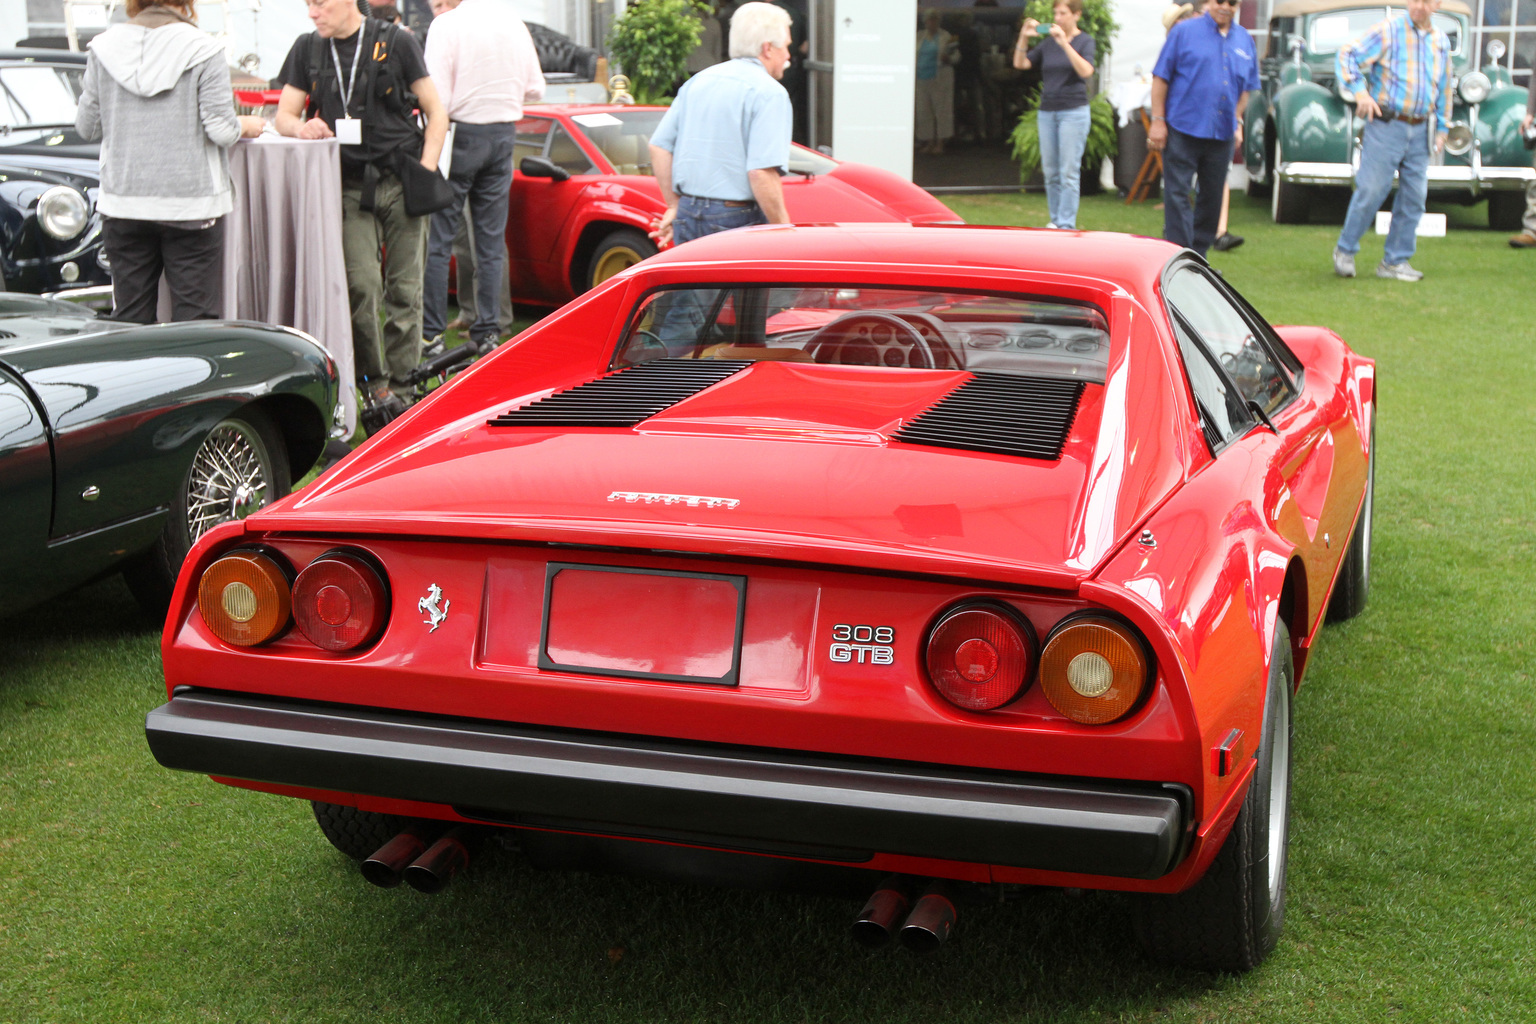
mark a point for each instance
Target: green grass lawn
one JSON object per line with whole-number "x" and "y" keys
{"x": 131, "y": 893}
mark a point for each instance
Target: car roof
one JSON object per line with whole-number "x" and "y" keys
{"x": 1296, "y": 8}
{"x": 43, "y": 56}
{"x": 1132, "y": 262}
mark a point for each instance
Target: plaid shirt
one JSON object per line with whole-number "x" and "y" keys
{"x": 1406, "y": 70}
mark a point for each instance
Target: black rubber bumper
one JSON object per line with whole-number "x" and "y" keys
{"x": 743, "y": 799}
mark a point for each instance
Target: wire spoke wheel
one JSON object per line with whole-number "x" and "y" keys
{"x": 241, "y": 465}
{"x": 231, "y": 478}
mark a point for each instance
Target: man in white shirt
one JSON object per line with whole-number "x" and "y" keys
{"x": 482, "y": 60}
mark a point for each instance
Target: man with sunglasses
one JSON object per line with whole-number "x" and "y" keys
{"x": 1399, "y": 77}
{"x": 1200, "y": 88}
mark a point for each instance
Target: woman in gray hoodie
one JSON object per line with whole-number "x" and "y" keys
{"x": 157, "y": 95}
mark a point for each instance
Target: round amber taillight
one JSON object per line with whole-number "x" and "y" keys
{"x": 979, "y": 656}
{"x": 1093, "y": 670}
{"x": 243, "y": 598}
{"x": 340, "y": 601}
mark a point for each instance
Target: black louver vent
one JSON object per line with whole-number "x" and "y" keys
{"x": 6, "y": 334}
{"x": 624, "y": 398}
{"x": 994, "y": 412}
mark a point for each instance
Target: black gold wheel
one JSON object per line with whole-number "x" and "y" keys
{"x": 619, "y": 250}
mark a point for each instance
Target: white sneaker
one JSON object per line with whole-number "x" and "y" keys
{"x": 1398, "y": 271}
{"x": 1343, "y": 263}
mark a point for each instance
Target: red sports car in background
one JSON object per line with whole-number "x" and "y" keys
{"x": 583, "y": 214}
{"x": 945, "y": 560}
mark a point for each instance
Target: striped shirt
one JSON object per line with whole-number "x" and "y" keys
{"x": 1405, "y": 69}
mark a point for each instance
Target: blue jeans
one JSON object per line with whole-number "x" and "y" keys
{"x": 698, "y": 217}
{"x": 1385, "y": 147}
{"x": 1190, "y": 160}
{"x": 1063, "y": 136}
{"x": 482, "y": 170}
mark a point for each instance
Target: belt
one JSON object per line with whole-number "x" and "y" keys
{"x": 1393, "y": 115}
{"x": 722, "y": 202}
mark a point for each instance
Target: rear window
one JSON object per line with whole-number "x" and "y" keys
{"x": 894, "y": 328}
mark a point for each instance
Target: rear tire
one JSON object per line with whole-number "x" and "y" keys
{"x": 247, "y": 444}
{"x": 358, "y": 834}
{"x": 1506, "y": 210}
{"x": 1287, "y": 202}
{"x": 1353, "y": 587}
{"x": 1231, "y": 919}
{"x": 619, "y": 250}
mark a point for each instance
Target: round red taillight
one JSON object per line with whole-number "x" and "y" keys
{"x": 340, "y": 601}
{"x": 243, "y": 598}
{"x": 980, "y": 656}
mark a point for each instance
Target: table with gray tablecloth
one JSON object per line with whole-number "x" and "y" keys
{"x": 282, "y": 246}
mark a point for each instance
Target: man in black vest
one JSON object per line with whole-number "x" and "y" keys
{"x": 360, "y": 80}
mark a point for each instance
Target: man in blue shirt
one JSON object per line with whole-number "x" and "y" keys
{"x": 1200, "y": 87}
{"x": 723, "y": 143}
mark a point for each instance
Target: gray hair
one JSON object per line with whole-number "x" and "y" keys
{"x": 754, "y": 24}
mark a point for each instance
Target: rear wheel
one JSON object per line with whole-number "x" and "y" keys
{"x": 1231, "y": 918}
{"x": 1354, "y": 582}
{"x": 1287, "y": 202}
{"x": 619, "y": 250}
{"x": 1506, "y": 210}
{"x": 239, "y": 467}
{"x": 358, "y": 834}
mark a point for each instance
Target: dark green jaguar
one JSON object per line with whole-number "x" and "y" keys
{"x": 121, "y": 444}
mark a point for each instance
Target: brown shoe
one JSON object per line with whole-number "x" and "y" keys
{"x": 458, "y": 323}
{"x": 1524, "y": 240}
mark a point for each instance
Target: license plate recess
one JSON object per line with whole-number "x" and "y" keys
{"x": 661, "y": 624}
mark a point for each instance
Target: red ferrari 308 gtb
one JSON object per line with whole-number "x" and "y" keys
{"x": 584, "y": 197}
{"x": 945, "y": 559}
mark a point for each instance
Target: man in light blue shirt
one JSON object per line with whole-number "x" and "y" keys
{"x": 719, "y": 151}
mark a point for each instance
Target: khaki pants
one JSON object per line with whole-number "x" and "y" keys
{"x": 382, "y": 249}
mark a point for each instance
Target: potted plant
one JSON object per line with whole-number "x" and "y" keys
{"x": 1098, "y": 20}
{"x": 651, "y": 42}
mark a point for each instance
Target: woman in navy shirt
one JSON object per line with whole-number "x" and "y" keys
{"x": 1065, "y": 58}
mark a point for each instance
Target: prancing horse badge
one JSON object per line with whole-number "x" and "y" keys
{"x": 429, "y": 604}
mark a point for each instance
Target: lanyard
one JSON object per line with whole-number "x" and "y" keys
{"x": 346, "y": 92}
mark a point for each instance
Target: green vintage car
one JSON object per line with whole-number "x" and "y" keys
{"x": 1300, "y": 134}
{"x": 122, "y": 444}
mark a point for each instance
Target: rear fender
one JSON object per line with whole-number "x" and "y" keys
{"x": 1207, "y": 592}
{"x": 1312, "y": 124}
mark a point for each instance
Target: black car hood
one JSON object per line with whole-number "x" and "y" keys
{"x": 63, "y": 164}
{"x": 26, "y": 320}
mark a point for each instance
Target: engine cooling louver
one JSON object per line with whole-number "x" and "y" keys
{"x": 624, "y": 398}
{"x": 994, "y": 412}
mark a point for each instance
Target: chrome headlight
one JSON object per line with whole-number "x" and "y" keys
{"x": 1459, "y": 139}
{"x": 63, "y": 212}
{"x": 1475, "y": 87}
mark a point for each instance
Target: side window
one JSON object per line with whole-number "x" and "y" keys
{"x": 565, "y": 152}
{"x": 1229, "y": 337}
{"x": 532, "y": 134}
{"x": 1224, "y": 412}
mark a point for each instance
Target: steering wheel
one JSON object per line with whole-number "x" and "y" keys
{"x": 872, "y": 339}
{"x": 643, "y": 346}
